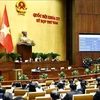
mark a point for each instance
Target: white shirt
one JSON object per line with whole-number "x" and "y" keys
{"x": 39, "y": 89}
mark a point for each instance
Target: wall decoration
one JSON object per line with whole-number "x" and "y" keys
{"x": 44, "y": 18}
{"x": 21, "y": 7}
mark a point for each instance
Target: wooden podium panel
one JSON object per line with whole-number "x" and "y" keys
{"x": 6, "y": 70}
{"x": 25, "y": 51}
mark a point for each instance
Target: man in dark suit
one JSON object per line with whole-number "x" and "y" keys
{"x": 31, "y": 87}
{"x": 97, "y": 94}
{"x": 73, "y": 91}
{"x": 55, "y": 95}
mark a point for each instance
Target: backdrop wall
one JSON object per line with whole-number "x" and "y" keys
{"x": 47, "y": 37}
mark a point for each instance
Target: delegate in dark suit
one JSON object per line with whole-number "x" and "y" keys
{"x": 73, "y": 91}
{"x": 97, "y": 94}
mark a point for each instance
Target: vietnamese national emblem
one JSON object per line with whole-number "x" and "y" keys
{"x": 21, "y": 7}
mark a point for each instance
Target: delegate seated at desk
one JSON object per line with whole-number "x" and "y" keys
{"x": 37, "y": 69}
{"x": 38, "y": 59}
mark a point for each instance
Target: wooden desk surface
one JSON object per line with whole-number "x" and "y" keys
{"x": 43, "y": 64}
{"x": 54, "y": 73}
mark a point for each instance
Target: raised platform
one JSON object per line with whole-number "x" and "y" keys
{"x": 7, "y": 68}
{"x": 28, "y": 66}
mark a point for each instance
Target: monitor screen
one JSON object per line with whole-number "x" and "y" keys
{"x": 89, "y": 42}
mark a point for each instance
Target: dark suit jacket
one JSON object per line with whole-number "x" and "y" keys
{"x": 31, "y": 87}
{"x": 97, "y": 96}
{"x": 70, "y": 94}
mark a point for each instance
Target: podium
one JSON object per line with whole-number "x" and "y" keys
{"x": 18, "y": 72}
{"x": 25, "y": 51}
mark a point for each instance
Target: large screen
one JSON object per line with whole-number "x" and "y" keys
{"x": 89, "y": 42}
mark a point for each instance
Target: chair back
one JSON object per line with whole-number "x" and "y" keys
{"x": 90, "y": 86}
{"x": 43, "y": 98}
{"x": 48, "y": 82}
{"x": 48, "y": 91}
{"x": 32, "y": 95}
{"x": 19, "y": 92}
{"x": 91, "y": 90}
{"x": 83, "y": 97}
{"x": 67, "y": 88}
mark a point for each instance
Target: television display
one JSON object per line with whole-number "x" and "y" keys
{"x": 89, "y": 42}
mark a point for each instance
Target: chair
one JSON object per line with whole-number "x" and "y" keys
{"x": 91, "y": 90}
{"x": 48, "y": 82}
{"x": 32, "y": 95}
{"x": 92, "y": 83}
{"x": 90, "y": 86}
{"x": 67, "y": 81}
{"x": 67, "y": 88}
{"x": 19, "y": 92}
{"x": 42, "y": 84}
{"x": 90, "y": 80}
{"x": 48, "y": 91}
{"x": 83, "y": 97}
{"x": 43, "y": 98}
{"x": 6, "y": 86}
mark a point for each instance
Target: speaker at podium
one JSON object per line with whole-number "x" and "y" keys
{"x": 24, "y": 46}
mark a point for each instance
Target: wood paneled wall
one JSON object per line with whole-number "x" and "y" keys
{"x": 87, "y": 15}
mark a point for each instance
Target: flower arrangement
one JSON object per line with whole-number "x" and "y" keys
{"x": 87, "y": 62}
{"x": 87, "y": 71}
{"x": 44, "y": 76}
{"x": 23, "y": 77}
{"x": 27, "y": 42}
{"x": 14, "y": 55}
{"x": 62, "y": 74}
{"x": 75, "y": 73}
{"x": 53, "y": 55}
{"x": 1, "y": 55}
{"x": 96, "y": 70}
{"x": 98, "y": 61}
{"x": 43, "y": 55}
{"x": 1, "y": 78}
{"x": 34, "y": 55}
